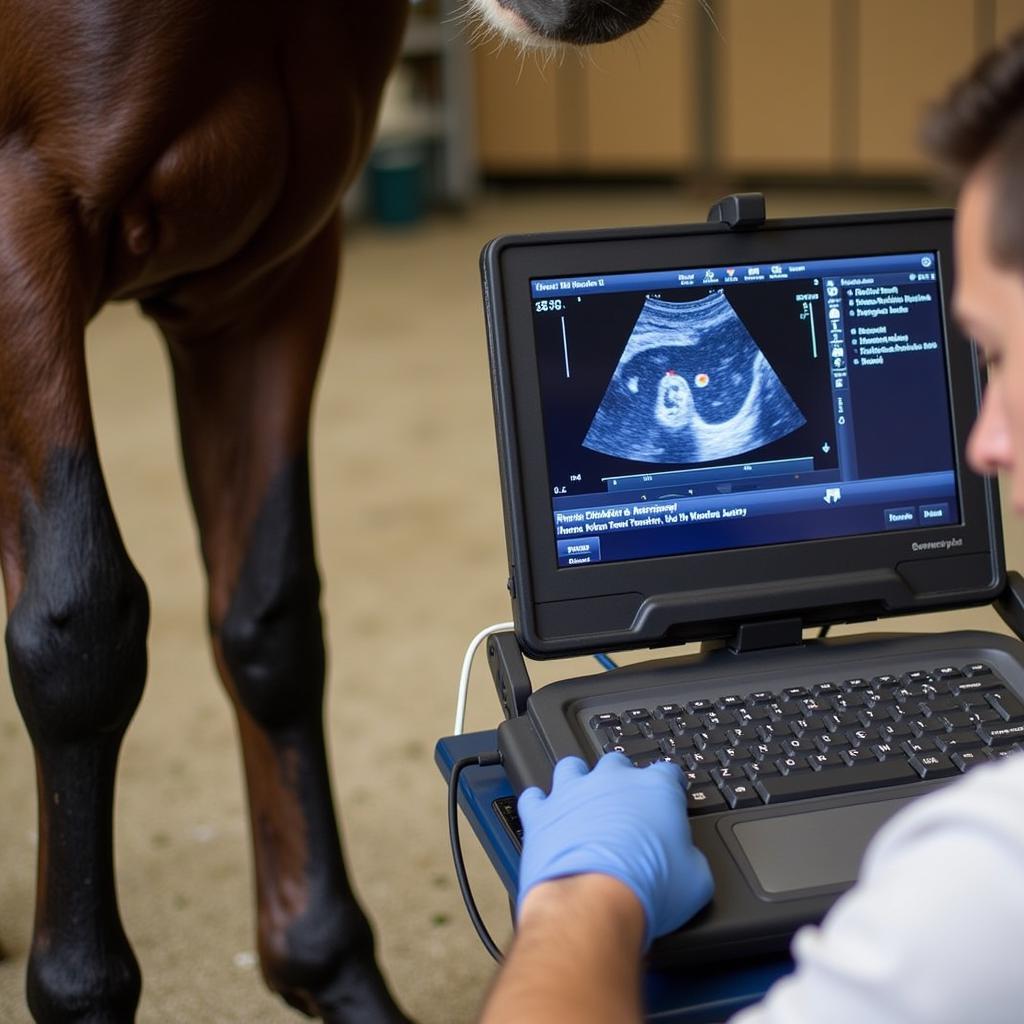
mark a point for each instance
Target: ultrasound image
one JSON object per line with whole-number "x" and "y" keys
{"x": 691, "y": 386}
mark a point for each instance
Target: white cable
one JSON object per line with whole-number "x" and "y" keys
{"x": 467, "y": 664}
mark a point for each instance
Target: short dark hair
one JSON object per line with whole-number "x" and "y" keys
{"x": 982, "y": 120}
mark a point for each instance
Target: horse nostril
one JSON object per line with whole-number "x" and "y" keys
{"x": 581, "y": 22}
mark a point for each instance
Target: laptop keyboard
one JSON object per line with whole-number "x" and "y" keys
{"x": 771, "y": 747}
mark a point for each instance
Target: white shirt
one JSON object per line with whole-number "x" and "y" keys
{"x": 931, "y": 934}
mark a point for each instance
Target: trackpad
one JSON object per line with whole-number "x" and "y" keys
{"x": 812, "y": 849}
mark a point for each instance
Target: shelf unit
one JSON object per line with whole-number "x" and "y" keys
{"x": 428, "y": 107}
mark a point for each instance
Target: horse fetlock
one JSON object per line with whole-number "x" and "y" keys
{"x": 322, "y": 964}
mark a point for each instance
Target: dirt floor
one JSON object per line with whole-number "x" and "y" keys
{"x": 413, "y": 561}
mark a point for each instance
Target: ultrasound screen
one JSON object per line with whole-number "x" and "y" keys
{"x": 700, "y": 409}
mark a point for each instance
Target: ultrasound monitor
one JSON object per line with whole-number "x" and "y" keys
{"x": 701, "y": 429}
{"x": 701, "y": 408}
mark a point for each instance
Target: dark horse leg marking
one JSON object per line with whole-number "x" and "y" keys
{"x": 76, "y": 645}
{"x": 244, "y": 396}
{"x": 77, "y": 609}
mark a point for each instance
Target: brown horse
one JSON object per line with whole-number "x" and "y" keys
{"x": 189, "y": 155}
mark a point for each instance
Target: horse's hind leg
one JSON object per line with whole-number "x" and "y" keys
{"x": 244, "y": 397}
{"x": 77, "y": 610}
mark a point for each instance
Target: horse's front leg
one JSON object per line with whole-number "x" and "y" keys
{"x": 244, "y": 396}
{"x": 77, "y": 609}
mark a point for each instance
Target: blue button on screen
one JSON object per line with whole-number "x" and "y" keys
{"x": 900, "y": 518}
{"x": 937, "y": 514}
{"x": 579, "y": 551}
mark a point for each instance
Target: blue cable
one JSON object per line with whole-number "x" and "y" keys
{"x": 605, "y": 662}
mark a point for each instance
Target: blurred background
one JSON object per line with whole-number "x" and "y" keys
{"x": 814, "y": 102}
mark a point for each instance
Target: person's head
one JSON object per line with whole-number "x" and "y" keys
{"x": 978, "y": 133}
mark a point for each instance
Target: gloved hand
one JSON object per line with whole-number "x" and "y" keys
{"x": 622, "y": 821}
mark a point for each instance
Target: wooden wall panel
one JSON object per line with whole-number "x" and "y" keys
{"x": 775, "y": 86}
{"x": 520, "y": 113}
{"x": 640, "y": 98}
{"x": 1009, "y": 17}
{"x": 907, "y": 54}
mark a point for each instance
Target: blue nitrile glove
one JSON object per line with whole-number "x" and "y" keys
{"x": 629, "y": 823}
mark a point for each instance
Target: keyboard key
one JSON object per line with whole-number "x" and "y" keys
{"x": 699, "y": 760}
{"x": 884, "y": 750}
{"x": 696, "y": 707}
{"x": 635, "y": 715}
{"x": 705, "y": 800}
{"x": 854, "y": 701}
{"x": 761, "y": 697}
{"x": 894, "y": 732}
{"x": 822, "y": 762}
{"x": 858, "y": 755}
{"x": 654, "y": 728}
{"x": 710, "y": 740}
{"x": 743, "y": 734}
{"x": 633, "y": 746}
{"x": 815, "y": 706}
{"x": 933, "y": 766}
{"x": 884, "y": 682}
{"x": 927, "y": 726}
{"x": 958, "y": 720}
{"x": 741, "y": 794}
{"x": 830, "y": 741}
{"x": 977, "y": 684}
{"x": 790, "y": 765}
{"x": 720, "y": 776}
{"x": 1001, "y": 735}
{"x": 965, "y": 759}
{"x": 916, "y": 677}
{"x": 700, "y": 778}
{"x": 934, "y": 705}
{"x": 626, "y": 730}
{"x": 972, "y": 701}
{"x": 774, "y": 731}
{"x": 869, "y": 717}
{"x": 977, "y": 669}
{"x": 1008, "y": 707}
{"x": 668, "y": 711}
{"x": 947, "y": 672}
{"x": 606, "y": 718}
{"x": 730, "y": 702}
{"x": 677, "y": 747}
{"x": 793, "y": 693}
{"x": 826, "y": 689}
{"x": 808, "y": 727}
{"x": 758, "y": 769}
{"x": 734, "y": 755}
{"x": 786, "y": 711}
{"x": 852, "y": 685}
{"x": 685, "y": 724}
{"x": 766, "y": 752}
{"x": 918, "y": 746}
{"x": 839, "y": 720}
{"x": 997, "y": 755}
{"x": 952, "y": 741}
{"x": 871, "y": 775}
{"x": 792, "y": 747}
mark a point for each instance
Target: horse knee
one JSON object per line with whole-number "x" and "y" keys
{"x": 272, "y": 642}
{"x": 76, "y": 637}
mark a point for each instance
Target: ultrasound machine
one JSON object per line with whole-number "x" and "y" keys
{"x": 742, "y": 433}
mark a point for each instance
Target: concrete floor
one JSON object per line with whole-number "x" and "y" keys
{"x": 412, "y": 555}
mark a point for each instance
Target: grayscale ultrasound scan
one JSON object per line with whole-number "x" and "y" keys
{"x": 691, "y": 386}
